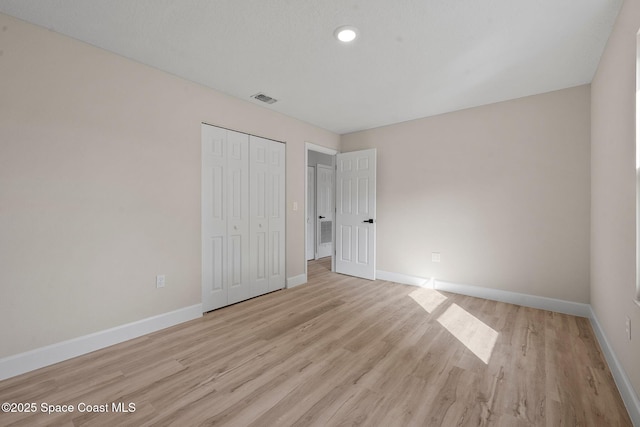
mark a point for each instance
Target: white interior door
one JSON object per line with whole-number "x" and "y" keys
{"x": 259, "y": 196}
{"x": 324, "y": 210}
{"x": 277, "y": 219}
{"x": 311, "y": 212}
{"x": 267, "y": 215}
{"x": 225, "y": 222}
{"x": 356, "y": 214}
{"x": 237, "y": 216}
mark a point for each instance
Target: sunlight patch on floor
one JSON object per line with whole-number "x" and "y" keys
{"x": 470, "y": 331}
{"x": 428, "y": 299}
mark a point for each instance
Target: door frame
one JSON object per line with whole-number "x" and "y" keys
{"x": 308, "y": 146}
{"x": 331, "y": 170}
{"x": 310, "y": 217}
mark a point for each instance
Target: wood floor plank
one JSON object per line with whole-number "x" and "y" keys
{"x": 341, "y": 351}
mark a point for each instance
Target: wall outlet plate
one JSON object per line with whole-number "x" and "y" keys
{"x": 160, "y": 281}
{"x": 435, "y": 256}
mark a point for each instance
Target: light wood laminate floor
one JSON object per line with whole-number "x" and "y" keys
{"x": 341, "y": 351}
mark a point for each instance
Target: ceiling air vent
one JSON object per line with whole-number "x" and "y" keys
{"x": 264, "y": 98}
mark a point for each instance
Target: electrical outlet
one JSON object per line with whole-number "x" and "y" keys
{"x": 628, "y": 328}
{"x": 160, "y": 281}
{"x": 435, "y": 256}
{"x": 295, "y": 206}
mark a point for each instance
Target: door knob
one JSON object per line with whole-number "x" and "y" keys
{"x": 321, "y": 217}
{"x": 370, "y": 221}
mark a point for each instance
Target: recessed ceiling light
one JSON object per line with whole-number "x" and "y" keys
{"x": 346, "y": 33}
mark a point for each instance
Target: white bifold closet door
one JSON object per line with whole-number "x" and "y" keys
{"x": 238, "y": 248}
{"x": 267, "y": 213}
{"x": 225, "y": 217}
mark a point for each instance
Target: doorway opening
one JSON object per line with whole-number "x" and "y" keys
{"x": 351, "y": 209}
{"x": 320, "y": 203}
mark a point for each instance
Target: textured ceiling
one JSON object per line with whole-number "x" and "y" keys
{"x": 414, "y": 58}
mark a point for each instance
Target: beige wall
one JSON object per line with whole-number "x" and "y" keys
{"x": 100, "y": 186}
{"x": 613, "y": 253}
{"x": 501, "y": 191}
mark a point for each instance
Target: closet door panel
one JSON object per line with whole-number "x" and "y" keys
{"x": 238, "y": 216}
{"x": 276, "y": 156}
{"x": 214, "y": 218}
{"x": 259, "y": 194}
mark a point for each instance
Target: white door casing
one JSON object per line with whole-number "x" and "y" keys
{"x": 324, "y": 210}
{"x": 356, "y": 213}
{"x": 311, "y": 213}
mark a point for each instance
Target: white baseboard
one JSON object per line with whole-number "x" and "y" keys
{"x": 294, "y": 281}
{"x": 551, "y": 304}
{"x": 44, "y": 356}
{"x": 405, "y": 279}
{"x": 629, "y": 396}
{"x": 543, "y": 303}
